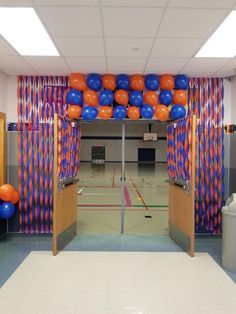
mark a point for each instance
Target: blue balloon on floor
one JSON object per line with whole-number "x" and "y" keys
{"x": 147, "y": 111}
{"x": 119, "y": 112}
{"x": 94, "y": 81}
{"x": 136, "y": 98}
{"x": 7, "y": 210}
{"x": 181, "y": 82}
{"x": 89, "y": 113}
{"x": 74, "y": 97}
{"x": 106, "y": 97}
{"x": 177, "y": 112}
{"x": 165, "y": 97}
{"x": 152, "y": 82}
{"x": 122, "y": 81}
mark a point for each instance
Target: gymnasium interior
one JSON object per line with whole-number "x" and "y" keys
{"x": 117, "y": 156}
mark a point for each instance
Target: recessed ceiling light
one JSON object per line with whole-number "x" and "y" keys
{"x": 222, "y": 43}
{"x": 24, "y": 31}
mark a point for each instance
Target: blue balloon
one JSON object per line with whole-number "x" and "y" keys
{"x": 94, "y": 81}
{"x": 74, "y": 97}
{"x": 152, "y": 82}
{"x": 123, "y": 81}
{"x": 7, "y": 210}
{"x": 89, "y": 113}
{"x": 177, "y": 112}
{"x": 147, "y": 111}
{"x": 106, "y": 97}
{"x": 165, "y": 97}
{"x": 181, "y": 81}
{"x": 136, "y": 98}
{"x": 119, "y": 112}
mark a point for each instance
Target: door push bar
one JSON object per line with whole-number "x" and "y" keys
{"x": 184, "y": 184}
{"x": 63, "y": 183}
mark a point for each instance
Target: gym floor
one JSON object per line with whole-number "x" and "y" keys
{"x": 99, "y": 198}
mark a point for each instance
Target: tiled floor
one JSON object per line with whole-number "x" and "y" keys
{"x": 118, "y": 283}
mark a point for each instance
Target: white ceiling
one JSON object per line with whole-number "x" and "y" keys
{"x": 131, "y": 36}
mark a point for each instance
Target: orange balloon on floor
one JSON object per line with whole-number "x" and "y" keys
{"x": 180, "y": 97}
{"x": 91, "y": 97}
{"x": 109, "y": 81}
{"x": 6, "y": 192}
{"x": 167, "y": 82}
{"x": 74, "y": 112}
{"x": 133, "y": 113}
{"x": 137, "y": 82}
{"x": 161, "y": 112}
{"x": 122, "y": 97}
{"x": 151, "y": 98}
{"x": 15, "y": 197}
{"x": 77, "y": 81}
{"x": 105, "y": 112}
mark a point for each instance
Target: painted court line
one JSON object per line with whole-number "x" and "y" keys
{"x": 127, "y": 197}
{"x": 139, "y": 194}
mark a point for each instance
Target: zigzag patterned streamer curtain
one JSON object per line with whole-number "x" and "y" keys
{"x": 38, "y": 99}
{"x": 206, "y": 101}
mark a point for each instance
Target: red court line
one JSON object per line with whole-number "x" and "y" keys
{"x": 139, "y": 194}
{"x": 127, "y": 197}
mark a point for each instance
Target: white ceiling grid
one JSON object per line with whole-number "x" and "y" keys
{"x": 131, "y": 36}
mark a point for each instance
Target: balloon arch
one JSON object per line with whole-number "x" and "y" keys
{"x": 136, "y": 96}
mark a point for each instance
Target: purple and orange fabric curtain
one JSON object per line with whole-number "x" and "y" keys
{"x": 39, "y": 97}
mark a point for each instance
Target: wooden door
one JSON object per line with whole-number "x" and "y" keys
{"x": 182, "y": 200}
{"x": 64, "y": 203}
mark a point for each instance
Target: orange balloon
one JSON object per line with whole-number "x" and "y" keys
{"x": 109, "y": 81}
{"x": 161, "y": 112}
{"x": 77, "y": 81}
{"x": 91, "y": 97}
{"x": 74, "y": 112}
{"x": 105, "y": 112}
{"x": 137, "y": 82}
{"x": 133, "y": 113}
{"x": 15, "y": 197}
{"x": 151, "y": 98}
{"x": 180, "y": 97}
{"x": 6, "y": 192}
{"x": 122, "y": 97}
{"x": 167, "y": 82}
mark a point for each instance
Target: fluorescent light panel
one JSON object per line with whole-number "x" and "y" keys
{"x": 24, "y": 31}
{"x": 222, "y": 43}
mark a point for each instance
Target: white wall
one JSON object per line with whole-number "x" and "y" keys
{"x": 3, "y": 83}
{"x": 11, "y": 96}
{"x": 233, "y": 100}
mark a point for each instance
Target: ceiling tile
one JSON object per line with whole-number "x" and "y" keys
{"x": 6, "y": 49}
{"x": 175, "y": 48}
{"x": 229, "y": 69}
{"x": 126, "y": 65}
{"x": 128, "y": 47}
{"x": 87, "y": 65}
{"x": 15, "y": 65}
{"x": 190, "y": 23}
{"x": 71, "y": 21}
{"x": 80, "y": 46}
{"x": 201, "y": 3}
{"x": 67, "y": 2}
{"x": 204, "y": 66}
{"x": 131, "y": 22}
{"x": 134, "y": 3}
{"x": 18, "y": 3}
{"x": 46, "y": 63}
{"x": 165, "y": 65}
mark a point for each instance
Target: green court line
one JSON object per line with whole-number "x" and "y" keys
{"x": 151, "y": 206}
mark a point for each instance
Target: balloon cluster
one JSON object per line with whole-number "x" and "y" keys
{"x": 9, "y": 197}
{"x": 124, "y": 96}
